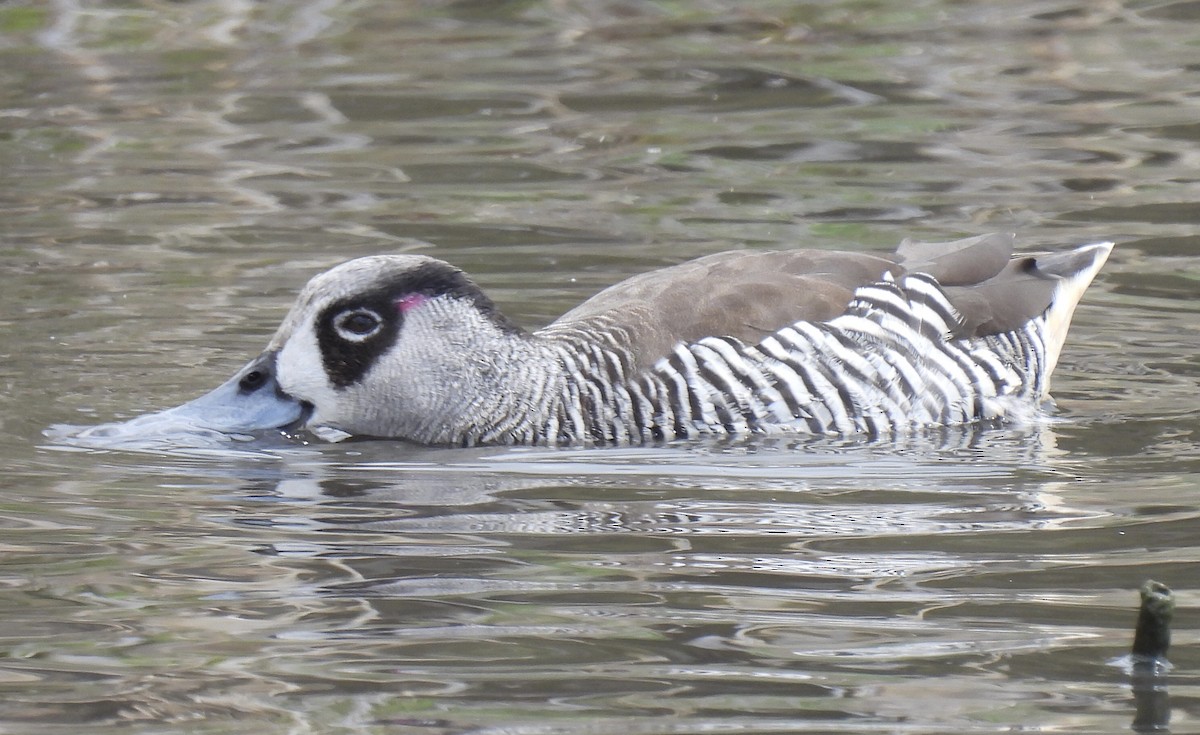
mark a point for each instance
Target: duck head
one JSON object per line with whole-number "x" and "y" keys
{"x": 378, "y": 346}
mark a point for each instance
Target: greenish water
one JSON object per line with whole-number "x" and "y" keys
{"x": 171, "y": 173}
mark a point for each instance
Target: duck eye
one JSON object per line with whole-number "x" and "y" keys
{"x": 356, "y": 325}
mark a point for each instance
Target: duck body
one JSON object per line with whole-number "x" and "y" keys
{"x": 807, "y": 341}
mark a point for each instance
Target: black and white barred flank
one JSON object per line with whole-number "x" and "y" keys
{"x": 890, "y": 362}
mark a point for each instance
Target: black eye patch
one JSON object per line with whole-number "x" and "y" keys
{"x": 353, "y": 335}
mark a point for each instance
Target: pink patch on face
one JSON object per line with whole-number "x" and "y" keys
{"x": 408, "y": 302}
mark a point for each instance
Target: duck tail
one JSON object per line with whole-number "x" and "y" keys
{"x": 1075, "y": 270}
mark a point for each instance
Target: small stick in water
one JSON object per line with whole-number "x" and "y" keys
{"x": 1150, "y": 643}
{"x": 1152, "y": 637}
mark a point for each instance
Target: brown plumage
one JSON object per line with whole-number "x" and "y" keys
{"x": 751, "y": 294}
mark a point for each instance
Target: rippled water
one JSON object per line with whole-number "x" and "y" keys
{"x": 170, "y": 173}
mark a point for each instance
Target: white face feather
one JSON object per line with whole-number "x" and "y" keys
{"x": 301, "y": 373}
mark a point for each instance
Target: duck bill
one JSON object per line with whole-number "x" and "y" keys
{"x": 249, "y": 401}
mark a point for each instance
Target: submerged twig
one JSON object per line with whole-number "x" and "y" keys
{"x": 1151, "y": 640}
{"x": 1152, "y": 637}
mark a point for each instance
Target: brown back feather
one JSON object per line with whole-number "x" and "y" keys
{"x": 748, "y": 295}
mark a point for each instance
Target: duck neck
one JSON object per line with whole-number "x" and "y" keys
{"x": 564, "y": 387}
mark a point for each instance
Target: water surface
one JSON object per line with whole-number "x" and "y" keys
{"x": 173, "y": 172}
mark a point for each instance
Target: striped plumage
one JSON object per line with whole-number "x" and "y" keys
{"x": 887, "y": 364}
{"x": 815, "y": 342}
